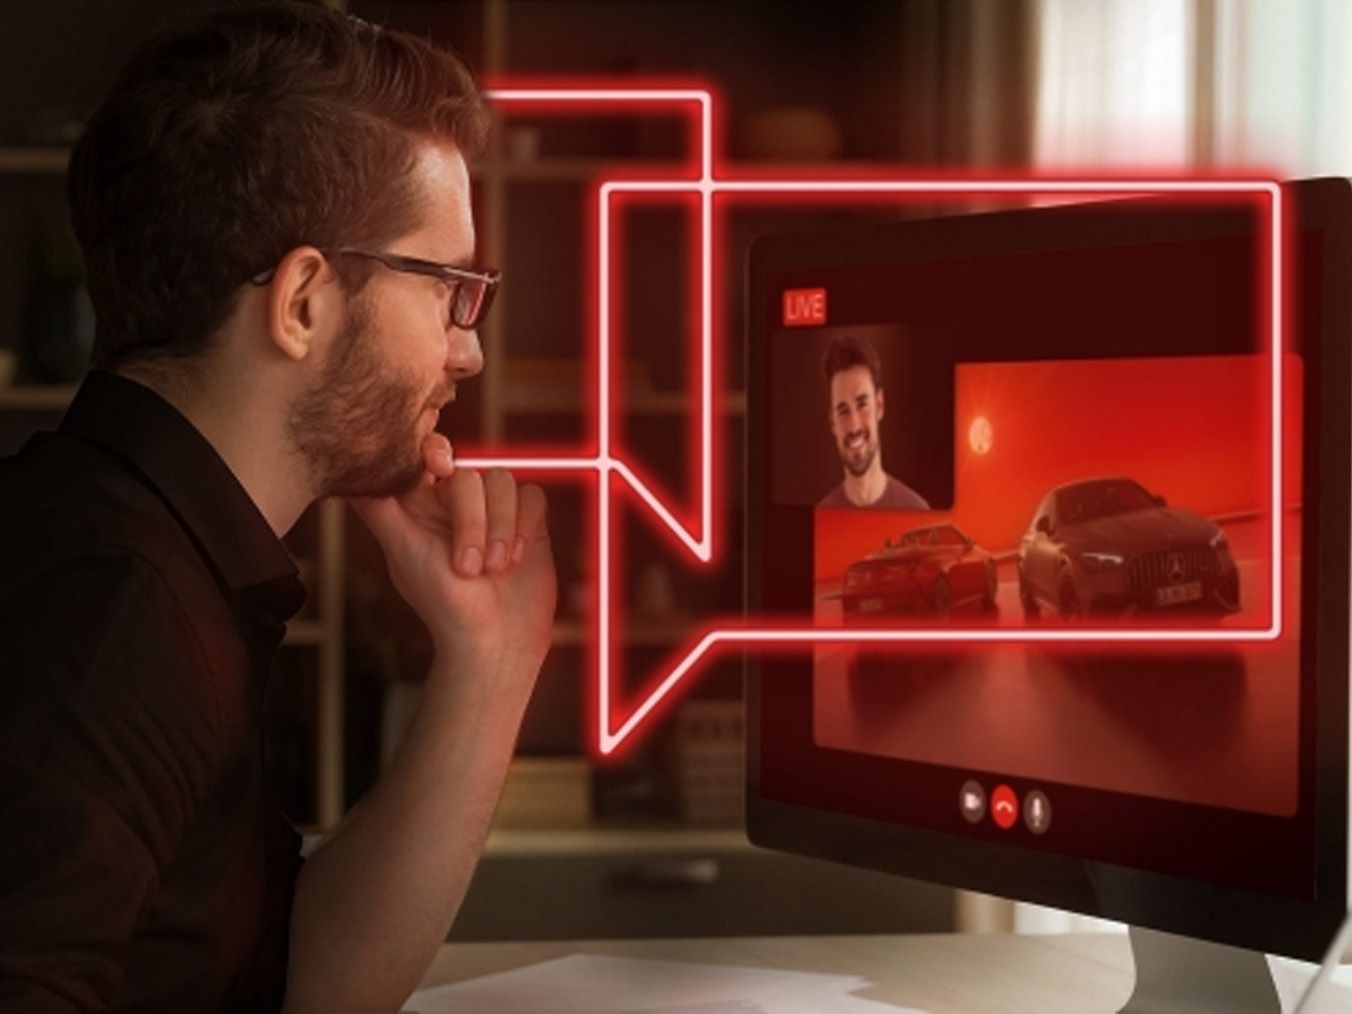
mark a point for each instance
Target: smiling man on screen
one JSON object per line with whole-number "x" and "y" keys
{"x": 854, "y": 381}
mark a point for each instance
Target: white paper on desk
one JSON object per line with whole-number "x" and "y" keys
{"x": 601, "y": 984}
{"x": 826, "y": 1003}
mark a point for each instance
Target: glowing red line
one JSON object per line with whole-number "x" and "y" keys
{"x": 591, "y": 96}
{"x": 605, "y": 464}
{"x": 814, "y": 636}
{"x": 535, "y": 464}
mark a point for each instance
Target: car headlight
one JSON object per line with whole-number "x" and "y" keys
{"x": 1219, "y": 541}
{"x": 1100, "y": 561}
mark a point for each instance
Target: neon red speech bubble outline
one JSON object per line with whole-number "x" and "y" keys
{"x": 607, "y": 465}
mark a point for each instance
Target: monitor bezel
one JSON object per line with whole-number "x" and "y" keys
{"x": 1245, "y": 918}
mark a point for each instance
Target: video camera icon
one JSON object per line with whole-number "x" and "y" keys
{"x": 972, "y": 802}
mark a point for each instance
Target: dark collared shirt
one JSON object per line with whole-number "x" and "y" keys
{"x": 143, "y": 864}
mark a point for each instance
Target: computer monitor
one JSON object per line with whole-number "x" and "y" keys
{"x": 1143, "y": 714}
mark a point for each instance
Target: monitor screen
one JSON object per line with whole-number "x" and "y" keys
{"x": 1064, "y": 437}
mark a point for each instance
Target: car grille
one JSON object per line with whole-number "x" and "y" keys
{"x": 1170, "y": 566}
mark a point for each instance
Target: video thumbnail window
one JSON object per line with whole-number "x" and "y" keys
{"x": 1120, "y": 492}
{"x": 865, "y": 420}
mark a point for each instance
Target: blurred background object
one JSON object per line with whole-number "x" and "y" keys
{"x": 58, "y": 320}
{"x": 791, "y": 133}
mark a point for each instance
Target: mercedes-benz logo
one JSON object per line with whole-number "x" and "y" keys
{"x": 1174, "y": 568}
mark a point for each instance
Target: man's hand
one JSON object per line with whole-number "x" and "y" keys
{"x": 375, "y": 901}
{"x": 471, "y": 555}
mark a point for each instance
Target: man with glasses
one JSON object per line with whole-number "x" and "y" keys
{"x": 273, "y": 206}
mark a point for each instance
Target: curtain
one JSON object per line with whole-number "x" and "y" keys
{"x": 1179, "y": 85}
{"x": 1283, "y": 86}
{"x": 1112, "y": 84}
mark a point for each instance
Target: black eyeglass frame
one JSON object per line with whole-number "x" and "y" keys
{"x": 448, "y": 273}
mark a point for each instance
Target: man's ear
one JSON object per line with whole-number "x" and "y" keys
{"x": 303, "y": 305}
{"x": 879, "y": 401}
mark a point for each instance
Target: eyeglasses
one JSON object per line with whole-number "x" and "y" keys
{"x": 471, "y": 292}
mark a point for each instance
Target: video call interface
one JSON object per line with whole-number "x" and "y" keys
{"x": 1089, "y": 432}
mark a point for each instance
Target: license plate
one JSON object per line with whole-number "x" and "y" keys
{"x": 1190, "y": 591}
{"x": 870, "y": 605}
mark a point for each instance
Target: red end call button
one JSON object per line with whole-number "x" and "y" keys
{"x": 1004, "y": 806}
{"x": 804, "y": 307}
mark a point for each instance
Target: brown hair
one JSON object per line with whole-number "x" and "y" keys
{"x": 226, "y": 144}
{"x": 844, "y": 352}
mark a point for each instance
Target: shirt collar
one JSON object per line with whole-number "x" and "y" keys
{"x": 148, "y": 433}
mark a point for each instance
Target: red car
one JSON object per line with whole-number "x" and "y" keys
{"x": 933, "y": 569}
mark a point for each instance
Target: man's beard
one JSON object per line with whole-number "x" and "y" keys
{"x": 356, "y": 428}
{"x": 859, "y": 461}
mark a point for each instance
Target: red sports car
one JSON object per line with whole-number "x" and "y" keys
{"x": 933, "y": 569}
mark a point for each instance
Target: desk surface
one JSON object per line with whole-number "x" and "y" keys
{"x": 943, "y": 974}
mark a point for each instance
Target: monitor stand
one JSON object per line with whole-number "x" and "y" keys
{"x": 1179, "y": 974}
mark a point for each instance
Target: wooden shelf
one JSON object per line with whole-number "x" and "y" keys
{"x": 305, "y": 632}
{"x": 52, "y": 161}
{"x": 536, "y": 399}
{"x": 34, "y": 161}
{"x": 572, "y": 170}
{"x": 520, "y": 399}
{"x": 36, "y": 397}
{"x": 600, "y": 839}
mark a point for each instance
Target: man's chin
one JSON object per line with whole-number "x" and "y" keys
{"x": 406, "y": 482}
{"x": 403, "y": 482}
{"x": 858, "y": 466}
{"x": 385, "y": 482}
